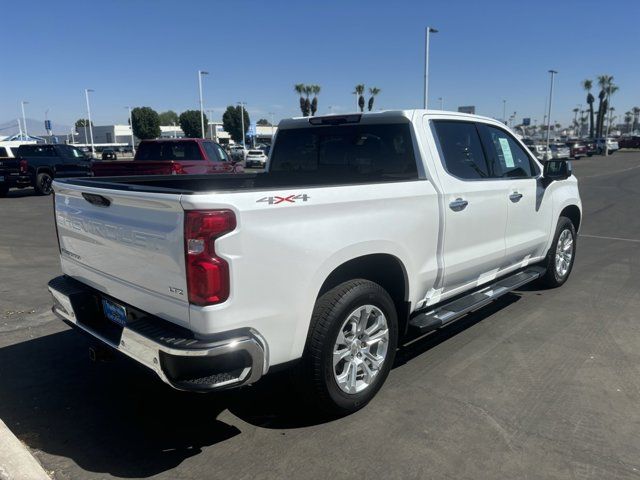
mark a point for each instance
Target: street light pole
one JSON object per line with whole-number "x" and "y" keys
{"x": 24, "y": 119}
{"x": 441, "y": 103}
{"x": 86, "y": 95}
{"x": 504, "y": 111}
{"x": 553, "y": 73}
{"x": 428, "y": 31}
{"x": 200, "y": 74}
{"x": 133, "y": 144}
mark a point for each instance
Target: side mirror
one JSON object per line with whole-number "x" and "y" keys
{"x": 557, "y": 170}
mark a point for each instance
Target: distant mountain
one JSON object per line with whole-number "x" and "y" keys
{"x": 34, "y": 127}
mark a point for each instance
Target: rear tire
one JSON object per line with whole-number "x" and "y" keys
{"x": 561, "y": 255}
{"x": 351, "y": 346}
{"x": 4, "y": 190}
{"x": 43, "y": 184}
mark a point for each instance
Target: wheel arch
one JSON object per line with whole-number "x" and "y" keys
{"x": 573, "y": 213}
{"x": 386, "y": 270}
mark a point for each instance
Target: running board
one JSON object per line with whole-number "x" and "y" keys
{"x": 428, "y": 320}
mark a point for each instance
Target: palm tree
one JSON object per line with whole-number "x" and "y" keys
{"x": 358, "y": 92}
{"x": 575, "y": 117}
{"x": 636, "y": 118}
{"x": 588, "y": 85}
{"x": 299, "y": 88}
{"x": 315, "y": 89}
{"x": 307, "y": 103}
{"x": 628, "y": 117}
{"x": 606, "y": 88}
{"x": 373, "y": 92}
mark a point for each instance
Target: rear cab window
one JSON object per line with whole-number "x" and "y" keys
{"x": 3, "y": 153}
{"x": 382, "y": 152}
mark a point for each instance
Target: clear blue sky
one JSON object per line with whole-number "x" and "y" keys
{"x": 145, "y": 53}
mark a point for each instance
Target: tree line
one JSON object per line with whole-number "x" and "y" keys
{"x": 146, "y": 122}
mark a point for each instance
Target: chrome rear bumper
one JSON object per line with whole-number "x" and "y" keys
{"x": 180, "y": 359}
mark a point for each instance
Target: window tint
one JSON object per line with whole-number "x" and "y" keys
{"x": 168, "y": 151}
{"x": 3, "y": 152}
{"x": 352, "y": 151}
{"x": 210, "y": 149}
{"x": 37, "y": 151}
{"x": 506, "y": 157}
{"x": 222, "y": 154}
{"x": 461, "y": 148}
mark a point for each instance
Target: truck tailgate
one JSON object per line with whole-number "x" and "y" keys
{"x": 128, "y": 245}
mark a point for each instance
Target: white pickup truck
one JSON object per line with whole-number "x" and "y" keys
{"x": 364, "y": 231}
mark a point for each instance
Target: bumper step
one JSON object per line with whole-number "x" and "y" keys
{"x": 428, "y": 320}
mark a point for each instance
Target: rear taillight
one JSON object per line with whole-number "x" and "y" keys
{"x": 177, "y": 169}
{"x": 207, "y": 274}
{"x": 23, "y": 166}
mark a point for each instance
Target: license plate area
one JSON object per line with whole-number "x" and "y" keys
{"x": 114, "y": 312}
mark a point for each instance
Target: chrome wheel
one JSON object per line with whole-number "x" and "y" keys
{"x": 564, "y": 253}
{"x": 360, "y": 349}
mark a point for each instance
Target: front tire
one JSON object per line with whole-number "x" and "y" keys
{"x": 4, "y": 190}
{"x": 351, "y": 347}
{"x": 43, "y": 184}
{"x": 561, "y": 256}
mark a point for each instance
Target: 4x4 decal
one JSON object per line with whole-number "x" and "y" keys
{"x": 275, "y": 200}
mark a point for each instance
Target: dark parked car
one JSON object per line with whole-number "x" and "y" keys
{"x": 629, "y": 142}
{"x": 577, "y": 148}
{"x": 37, "y": 165}
{"x": 109, "y": 154}
{"x": 590, "y": 145}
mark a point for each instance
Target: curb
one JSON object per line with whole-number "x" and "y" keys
{"x": 16, "y": 462}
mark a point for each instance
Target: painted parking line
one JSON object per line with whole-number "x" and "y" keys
{"x": 632, "y": 240}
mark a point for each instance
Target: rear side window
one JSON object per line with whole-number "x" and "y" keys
{"x": 176, "y": 151}
{"x": 37, "y": 151}
{"x": 210, "y": 149}
{"x": 506, "y": 157}
{"x": 461, "y": 149}
{"x": 383, "y": 152}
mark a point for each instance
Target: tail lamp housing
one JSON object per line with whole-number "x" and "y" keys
{"x": 23, "y": 166}
{"x": 208, "y": 279}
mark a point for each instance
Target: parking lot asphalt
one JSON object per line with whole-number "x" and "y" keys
{"x": 540, "y": 384}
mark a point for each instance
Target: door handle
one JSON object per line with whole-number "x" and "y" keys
{"x": 515, "y": 197}
{"x": 458, "y": 204}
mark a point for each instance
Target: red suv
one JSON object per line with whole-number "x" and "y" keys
{"x": 172, "y": 156}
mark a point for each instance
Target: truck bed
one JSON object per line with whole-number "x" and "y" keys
{"x": 195, "y": 184}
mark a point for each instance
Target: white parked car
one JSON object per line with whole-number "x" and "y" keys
{"x": 541, "y": 152}
{"x": 611, "y": 145}
{"x": 365, "y": 231}
{"x": 256, "y": 158}
{"x": 238, "y": 153}
{"x": 560, "y": 151}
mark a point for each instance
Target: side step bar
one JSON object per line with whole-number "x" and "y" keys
{"x": 428, "y": 320}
